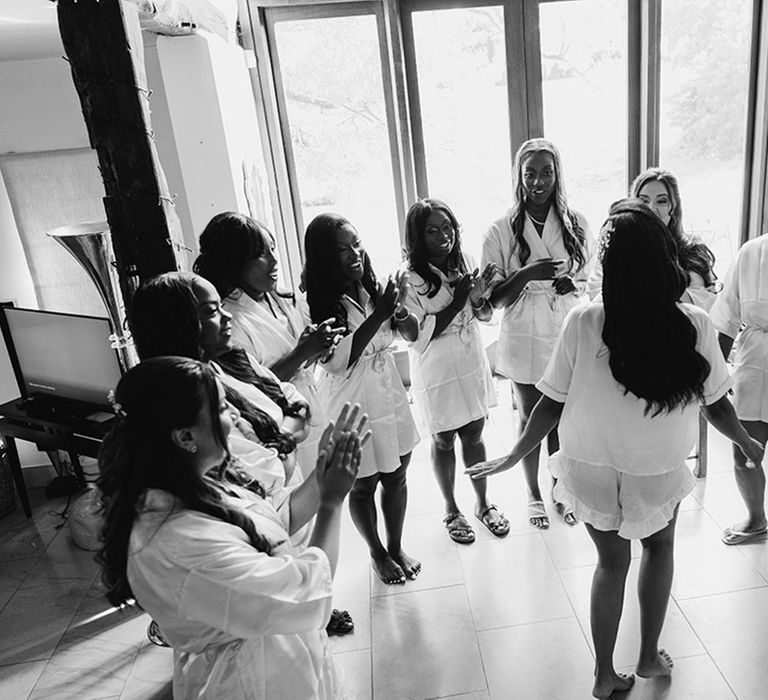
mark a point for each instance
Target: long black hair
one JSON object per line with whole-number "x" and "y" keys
{"x": 164, "y": 321}
{"x": 324, "y": 279}
{"x": 574, "y": 237}
{"x": 652, "y": 343}
{"x": 228, "y": 241}
{"x": 152, "y": 400}
{"x": 416, "y": 248}
{"x": 694, "y": 254}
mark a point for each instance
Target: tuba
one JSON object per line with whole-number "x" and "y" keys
{"x": 91, "y": 246}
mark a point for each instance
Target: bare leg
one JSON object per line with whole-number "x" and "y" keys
{"x": 751, "y": 482}
{"x": 653, "y": 586}
{"x": 526, "y": 397}
{"x": 444, "y": 465}
{"x": 362, "y": 508}
{"x": 394, "y": 500}
{"x": 606, "y": 604}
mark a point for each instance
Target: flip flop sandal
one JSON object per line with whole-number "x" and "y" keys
{"x": 537, "y": 509}
{"x": 498, "y": 527}
{"x": 459, "y": 530}
{"x": 732, "y": 536}
{"x": 566, "y": 512}
{"x": 341, "y": 622}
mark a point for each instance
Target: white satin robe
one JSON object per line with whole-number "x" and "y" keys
{"x": 530, "y": 326}
{"x": 269, "y": 339}
{"x": 244, "y": 625}
{"x": 741, "y": 312}
{"x": 373, "y": 382}
{"x": 451, "y": 378}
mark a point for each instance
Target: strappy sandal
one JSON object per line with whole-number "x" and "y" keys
{"x": 459, "y": 530}
{"x": 537, "y": 510}
{"x": 498, "y": 527}
{"x": 566, "y": 512}
{"x": 341, "y": 622}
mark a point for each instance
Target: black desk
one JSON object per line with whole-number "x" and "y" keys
{"x": 76, "y": 436}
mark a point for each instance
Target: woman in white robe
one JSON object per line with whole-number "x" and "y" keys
{"x": 450, "y": 374}
{"x": 741, "y": 312}
{"x": 659, "y": 189}
{"x": 238, "y": 256}
{"x": 340, "y": 283}
{"x": 210, "y": 559}
{"x": 542, "y": 253}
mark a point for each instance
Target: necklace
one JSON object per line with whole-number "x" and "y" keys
{"x": 535, "y": 221}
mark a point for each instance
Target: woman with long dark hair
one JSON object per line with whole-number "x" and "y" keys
{"x": 660, "y": 190}
{"x": 451, "y": 378}
{"x": 540, "y": 248}
{"x": 341, "y": 284}
{"x": 625, "y": 383}
{"x": 238, "y": 256}
{"x": 194, "y": 542}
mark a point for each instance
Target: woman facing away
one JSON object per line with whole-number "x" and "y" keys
{"x": 180, "y": 313}
{"x": 238, "y": 256}
{"x": 207, "y": 556}
{"x": 625, "y": 383}
{"x": 659, "y": 189}
{"x": 741, "y": 311}
{"x": 451, "y": 378}
{"x": 341, "y": 284}
{"x": 540, "y": 248}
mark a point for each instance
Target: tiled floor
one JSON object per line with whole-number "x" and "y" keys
{"x": 503, "y": 619}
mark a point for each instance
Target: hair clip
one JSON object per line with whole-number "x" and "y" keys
{"x": 604, "y": 238}
{"x": 116, "y": 407}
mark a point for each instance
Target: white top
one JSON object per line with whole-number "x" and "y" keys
{"x": 373, "y": 382}
{"x": 451, "y": 378}
{"x": 529, "y": 326}
{"x": 269, "y": 338}
{"x": 244, "y": 625}
{"x": 744, "y": 300}
{"x": 602, "y": 426}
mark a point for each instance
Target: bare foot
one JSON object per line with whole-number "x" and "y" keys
{"x": 613, "y": 683}
{"x": 388, "y": 569}
{"x": 411, "y": 567}
{"x": 660, "y": 666}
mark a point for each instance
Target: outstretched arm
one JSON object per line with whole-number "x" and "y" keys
{"x": 545, "y": 416}
{"x": 722, "y": 416}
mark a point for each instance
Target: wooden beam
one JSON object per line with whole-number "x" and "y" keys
{"x": 103, "y": 44}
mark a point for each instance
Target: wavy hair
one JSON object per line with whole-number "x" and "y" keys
{"x": 324, "y": 279}
{"x": 164, "y": 321}
{"x": 155, "y": 398}
{"x": 651, "y": 341}
{"x": 416, "y": 247}
{"x": 574, "y": 236}
{"x": 695, "y": 255}
{"x": 228, "y": 241}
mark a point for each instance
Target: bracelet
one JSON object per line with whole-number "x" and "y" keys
{"x": 400, "y": 319}
{"x": 482, "y": 303}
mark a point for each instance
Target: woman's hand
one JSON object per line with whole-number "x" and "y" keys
{"x": 388, "y": 300}
{"x": 340, "y": 470}
{"x": 564, "y": 285}
{"x": 349, "y": 419}
{"x": 489, "y": 467}
{"x": 462, "y": 291}
{"x": 317, "y": 340}
{"x": 403, "y": 285}
{"x": 482, "y": 283}
{"x": 544, "y": 269}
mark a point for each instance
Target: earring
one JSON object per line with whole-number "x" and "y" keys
{"x": 193, "y": 449}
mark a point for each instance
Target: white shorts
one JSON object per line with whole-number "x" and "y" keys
{"x": 607, "y": 499}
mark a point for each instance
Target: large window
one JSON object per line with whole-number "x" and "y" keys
{"x": 380, "y": 102}
{"x": 334, "y": 110}
{"x": 584, "y": 85}
{"x": 704, "y": 80}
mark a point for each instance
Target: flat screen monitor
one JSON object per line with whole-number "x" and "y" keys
{"x": 57, "y": 355}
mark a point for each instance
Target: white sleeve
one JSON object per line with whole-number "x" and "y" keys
{"x": 414, "y": 302}
{"x": 719, "y": 381}
{"x": 492, "y": 253}
{"x": 726, "y": 311}
{"x": 556, "y": 381}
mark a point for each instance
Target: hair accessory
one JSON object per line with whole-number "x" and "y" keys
{"x": 116, "y": 407}
{"x": 403, "y": 317}
{"x": 604, "y": 238}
